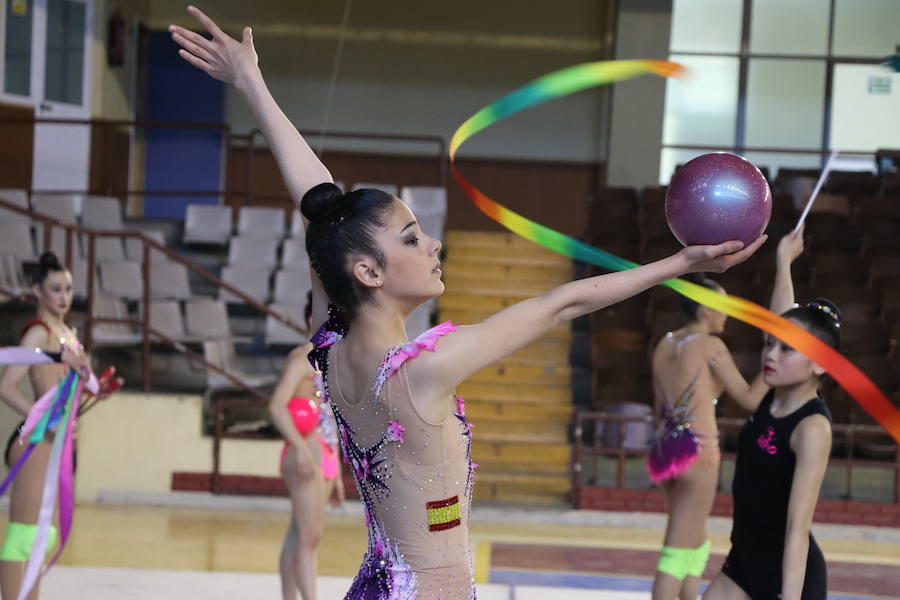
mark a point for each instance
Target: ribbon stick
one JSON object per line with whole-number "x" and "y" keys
{"x": 812, "y": 198}
{"x": 35, "y": 563}
{"x": 580, "y": 77}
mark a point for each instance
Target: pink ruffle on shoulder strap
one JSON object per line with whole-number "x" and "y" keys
{"x": 400, "y": 354}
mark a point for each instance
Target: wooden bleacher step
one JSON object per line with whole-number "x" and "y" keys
{"x": 521, "y": 408}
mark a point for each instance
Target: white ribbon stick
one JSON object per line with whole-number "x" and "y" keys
{"x": 816, "y": 189}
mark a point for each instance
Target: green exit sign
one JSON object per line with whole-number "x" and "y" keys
{"x": 879, "y": 84}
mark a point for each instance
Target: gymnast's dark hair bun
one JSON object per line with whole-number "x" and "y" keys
{"x": 47, "y": 263}
{"x": 323, "y": 203}
{"x": 822, "y": 318}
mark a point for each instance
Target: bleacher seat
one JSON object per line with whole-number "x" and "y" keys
{"x": 169, "y": 280}
{"x": 122, "y": 279}
{"x": 12, "y": 277}
{"x": 134, "y": 248}
{"x": 293, "y": 255}
{"x": 207, "y": 319}
{"x": 102, "y": 212}
{"x": 109, "y": 334}
{"x": 297, "y": 230}
{"x": 221, "y": 354}
{"x": 207, "y": 224}
{"x": 247, "y": 251}
{"x": 166, "y": 318}
{"x": 277, "y": 333}
{"x": 78, "y": 266}
{"x": 61, "y": 207}
{"x": 253, "y": 281}
{"x": 291, "y": 286}
{"x": 429, "y": 204}
{"x": 255, "y": 221}
{"x": 16, "y": 240}
{"x": 18, "y": 198}
{"x": 387, "y": 188}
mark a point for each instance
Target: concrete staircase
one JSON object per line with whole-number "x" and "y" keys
{"x": 521, "y": 407}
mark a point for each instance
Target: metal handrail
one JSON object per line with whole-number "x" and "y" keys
{"x": 71, "y": 229}
{"x": 621, "y": 453}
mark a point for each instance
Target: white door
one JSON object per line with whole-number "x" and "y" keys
{"x": 62, "y": 152}
{"x": 47, "y": 64}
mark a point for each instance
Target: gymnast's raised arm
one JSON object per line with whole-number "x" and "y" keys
{"x": 236, "y": 63}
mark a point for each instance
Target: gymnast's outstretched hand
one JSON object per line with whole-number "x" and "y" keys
{"x": 719, "y": 258}
{"x": 222, "y": 57}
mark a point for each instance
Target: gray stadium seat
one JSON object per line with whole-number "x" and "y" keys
{"x": 253, "y": 251}
{"x": 169, "y": 280}
{"x": 291, "y": 286}
{"x": 122, "y": 279}
{"x": 134, "y": 248}
{"x": 429, "y": 204}
{"x": 207, "y": 319}
{"x": 256, "y": 221}
{"x": 17, "y": 197}
{"x": 293, "y": 255}
{"x": 16, "y": 240}
{"x": 253, "y": 281}
{"x": 207, "y": 224}
{"x": 61, "y": 207}
{"x": 110, "y": 334}
{"x": 277, "y": 333}
{"x": 297, "y": 230}
{"x": 102, "y": 212}
{"x": 12, "y": 277}
{"x": 166, "y": 318}
{"x": 221, "y": 354}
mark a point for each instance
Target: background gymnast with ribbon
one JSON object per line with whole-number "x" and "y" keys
{"x": 40, "y": 452}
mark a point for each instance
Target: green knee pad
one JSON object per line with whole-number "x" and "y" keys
{"x": 20, "y": 540}
{"x": 675, "y": 561}
{"x": 699, "y": 558}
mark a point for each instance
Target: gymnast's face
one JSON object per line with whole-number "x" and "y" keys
{"x": 411, "y": 272}
{"x": 785, "y": 367}
{"x": 55, "y": 293}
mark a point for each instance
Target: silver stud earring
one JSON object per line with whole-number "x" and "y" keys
{"x": 378, "y": 282}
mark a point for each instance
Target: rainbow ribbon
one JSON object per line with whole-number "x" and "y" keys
{"x": 588, "y": 75}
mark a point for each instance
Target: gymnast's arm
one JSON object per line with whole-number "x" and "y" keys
{"x": 234, "y": 62}
{"x": 475, "y": 347}
{"x": 789, "y": 248}
{"x": 747, "y": 395}
{"x": 10, "y": 393}
{"x": 811, "y": 443}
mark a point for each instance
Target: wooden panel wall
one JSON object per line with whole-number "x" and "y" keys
{"x": 555, "y": 194}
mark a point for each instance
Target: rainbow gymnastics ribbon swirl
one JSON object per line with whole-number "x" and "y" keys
{"x": 580, "y": 77}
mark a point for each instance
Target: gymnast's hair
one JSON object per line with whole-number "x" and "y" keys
{"x": 47, "y": 263}
{"x": 688, "y": 306}
{"x": 342, "y": 227}
{"x": 821, "y": 317}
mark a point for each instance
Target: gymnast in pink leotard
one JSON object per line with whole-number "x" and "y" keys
{"x": 309, "y": 466}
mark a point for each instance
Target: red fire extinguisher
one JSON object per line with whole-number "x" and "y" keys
{"x": 115, "y": 41}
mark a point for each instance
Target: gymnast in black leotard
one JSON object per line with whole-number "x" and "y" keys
{"x": 763, "y": 477}
{"x": 782, "y": 456}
